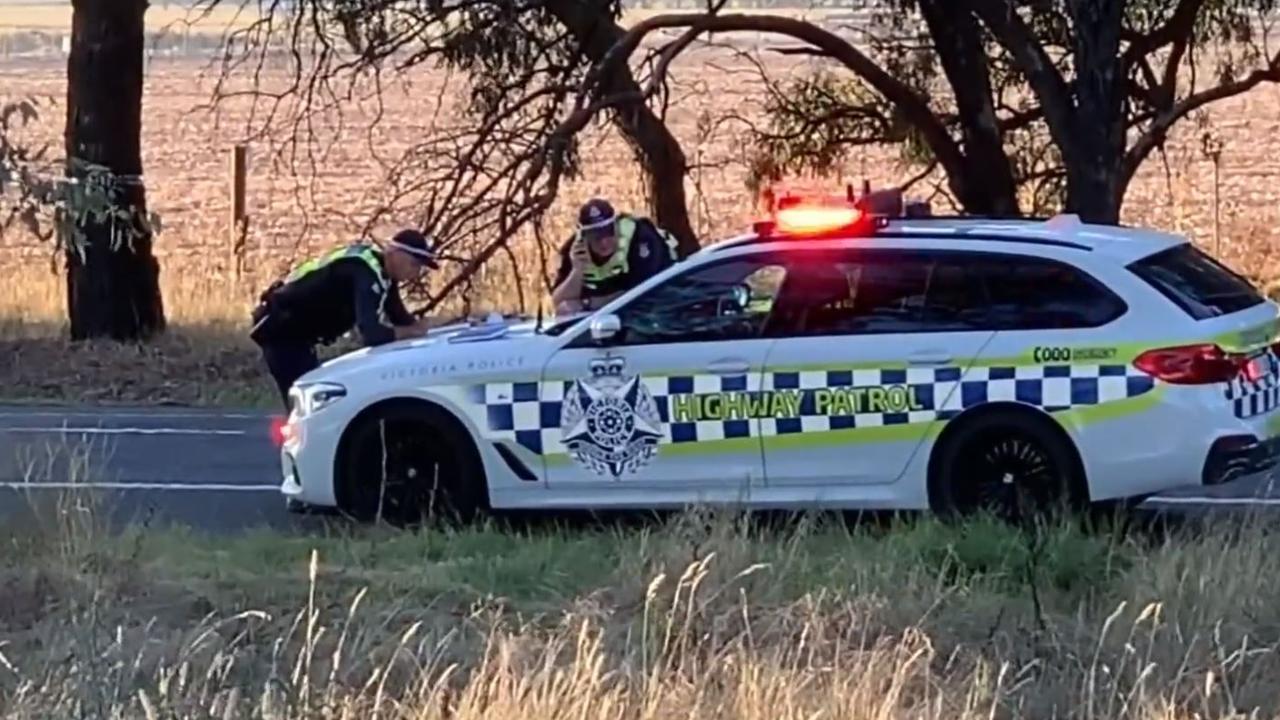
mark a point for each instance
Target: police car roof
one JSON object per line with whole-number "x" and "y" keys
{"x": 1121, "y": 243}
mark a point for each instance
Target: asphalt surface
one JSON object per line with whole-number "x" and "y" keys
{"x": 218, "y": 471}
{"x": 215, "y": 471}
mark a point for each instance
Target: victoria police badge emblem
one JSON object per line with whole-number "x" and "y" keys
{"x": 610, "y": 422}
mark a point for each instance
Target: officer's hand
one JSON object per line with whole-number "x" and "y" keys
{"x": 578, "y": 254}
{"x": 570, "y": 307}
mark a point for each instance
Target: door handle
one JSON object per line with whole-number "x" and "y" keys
{"x": 729, "y": 367}
{"x": 929, "y": 357}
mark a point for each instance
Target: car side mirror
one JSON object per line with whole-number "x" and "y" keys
{"x": 605, "y": 327}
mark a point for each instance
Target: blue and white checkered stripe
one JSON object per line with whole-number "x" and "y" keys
{"x": 530, "y": 415}
{"x": 517, "y": 411}
{"x": 943, "y": 393}
{"x": 1257, "y": 397}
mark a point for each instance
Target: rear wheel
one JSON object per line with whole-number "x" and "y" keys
{"x": 410, "y": 462}
{"x": 1011, "y": 464}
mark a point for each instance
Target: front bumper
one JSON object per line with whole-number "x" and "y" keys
{"x": 1235, "y": 456}
{"x": 291, "y": 485}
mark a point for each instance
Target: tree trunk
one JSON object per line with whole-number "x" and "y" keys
{"x": 113, "y": 287}
{"x": 988, "y": 187}
{"x": 659, "y": 152}
{"x": 1094, "y": 171}
{"x": 665, "y": 168}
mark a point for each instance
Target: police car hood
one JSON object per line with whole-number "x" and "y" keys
{"x": 453, "y": 350}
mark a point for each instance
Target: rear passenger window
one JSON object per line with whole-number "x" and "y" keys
{"x": 872, "y": 292}
{"x": 1029, "y": 293}
{"x": 1197, "y": 283}
{"x": 880, "y": 292}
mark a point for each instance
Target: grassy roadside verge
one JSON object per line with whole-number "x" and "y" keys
{"x": 701, "y": 615}
{"x": 210, "y": 364}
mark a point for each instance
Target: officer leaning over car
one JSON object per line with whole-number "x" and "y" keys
{"x": 610, "y": 254}
{"x": 357, "y": 285}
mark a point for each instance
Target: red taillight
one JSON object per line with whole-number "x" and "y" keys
{"x": 1192, "y": 364}
{"x": 279, "y": 431}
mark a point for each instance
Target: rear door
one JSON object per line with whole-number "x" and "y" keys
{"x": 873, "y": 345}
{"x": 1061, "y": 337}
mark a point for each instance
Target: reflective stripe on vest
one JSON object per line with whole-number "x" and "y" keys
{"x": 617, "y": 263}
{"x": 358, "y": 250}
{"x": 364, "y": 252}
{"x": 673, "y": 245}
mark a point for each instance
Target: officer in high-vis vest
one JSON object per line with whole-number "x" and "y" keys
{"x": 320, "y": 301}
{"x": 610, "y": 254}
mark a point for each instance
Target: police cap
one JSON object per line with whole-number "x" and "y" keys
{"x": 416, "y": 244}
{"x": 595, "y": 218}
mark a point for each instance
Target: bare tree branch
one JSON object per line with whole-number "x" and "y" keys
{"x": 915, "y": 108}
{"x": 1050, "y": 87}
{"x": 1156, "y": 133}
{"x": 1175, "y": 29}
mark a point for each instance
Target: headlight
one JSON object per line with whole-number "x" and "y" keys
{"x": 313, "y": 397}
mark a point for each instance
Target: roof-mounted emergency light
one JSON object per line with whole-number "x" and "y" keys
{"x": 808, "y": 218}
{"x": 815, "y": 216}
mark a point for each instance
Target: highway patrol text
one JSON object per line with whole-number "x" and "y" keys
{"x": 787, "y": 403}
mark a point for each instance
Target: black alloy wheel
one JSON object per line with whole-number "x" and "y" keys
{"x": 407, "y": 464}
{"x": 1008, "y": 465}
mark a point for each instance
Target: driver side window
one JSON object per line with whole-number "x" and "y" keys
{"x": 729, "y": 300}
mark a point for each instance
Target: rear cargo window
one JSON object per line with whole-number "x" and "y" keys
{"x": 1200, "y": 285}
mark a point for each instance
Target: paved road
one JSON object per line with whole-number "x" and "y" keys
{"x": 217, "y": 470}
{"x": 208, "y": 469}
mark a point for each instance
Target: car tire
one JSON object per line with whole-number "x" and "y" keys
{"x": 430, "y": 466}
{"x": 1015, "y": 465}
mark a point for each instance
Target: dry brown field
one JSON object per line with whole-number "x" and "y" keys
{"x": 53, "y": 16}
{"x": 328, "y": 197}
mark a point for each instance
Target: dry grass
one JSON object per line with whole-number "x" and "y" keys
{"x": 702, "y": 616}
{"x": 294, "y": 216}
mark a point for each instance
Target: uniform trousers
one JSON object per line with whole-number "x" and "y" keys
{"x": 288, "y": 361}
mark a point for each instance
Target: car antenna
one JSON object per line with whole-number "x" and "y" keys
{"x": 538, "y": 327}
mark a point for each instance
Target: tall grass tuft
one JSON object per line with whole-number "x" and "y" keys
{"x": 707, "y": 615}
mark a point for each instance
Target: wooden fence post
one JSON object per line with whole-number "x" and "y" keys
{"x": 1211, "y": 145}
{"x": 239, "y": 223}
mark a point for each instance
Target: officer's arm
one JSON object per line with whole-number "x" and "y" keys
{"x": 396, "y": 311}
{"x": 370, "y": 305}
{"x": 568, "y": 284}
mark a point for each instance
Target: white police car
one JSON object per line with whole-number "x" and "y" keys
{"x": 830, "y": 358}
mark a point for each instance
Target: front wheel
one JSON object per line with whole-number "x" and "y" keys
{"x": 408, "y": 462}
{"x": 1010, "y": 464}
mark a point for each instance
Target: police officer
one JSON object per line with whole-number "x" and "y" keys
{"x": 610, "y": 254}
{"x": 322, "y": 299}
